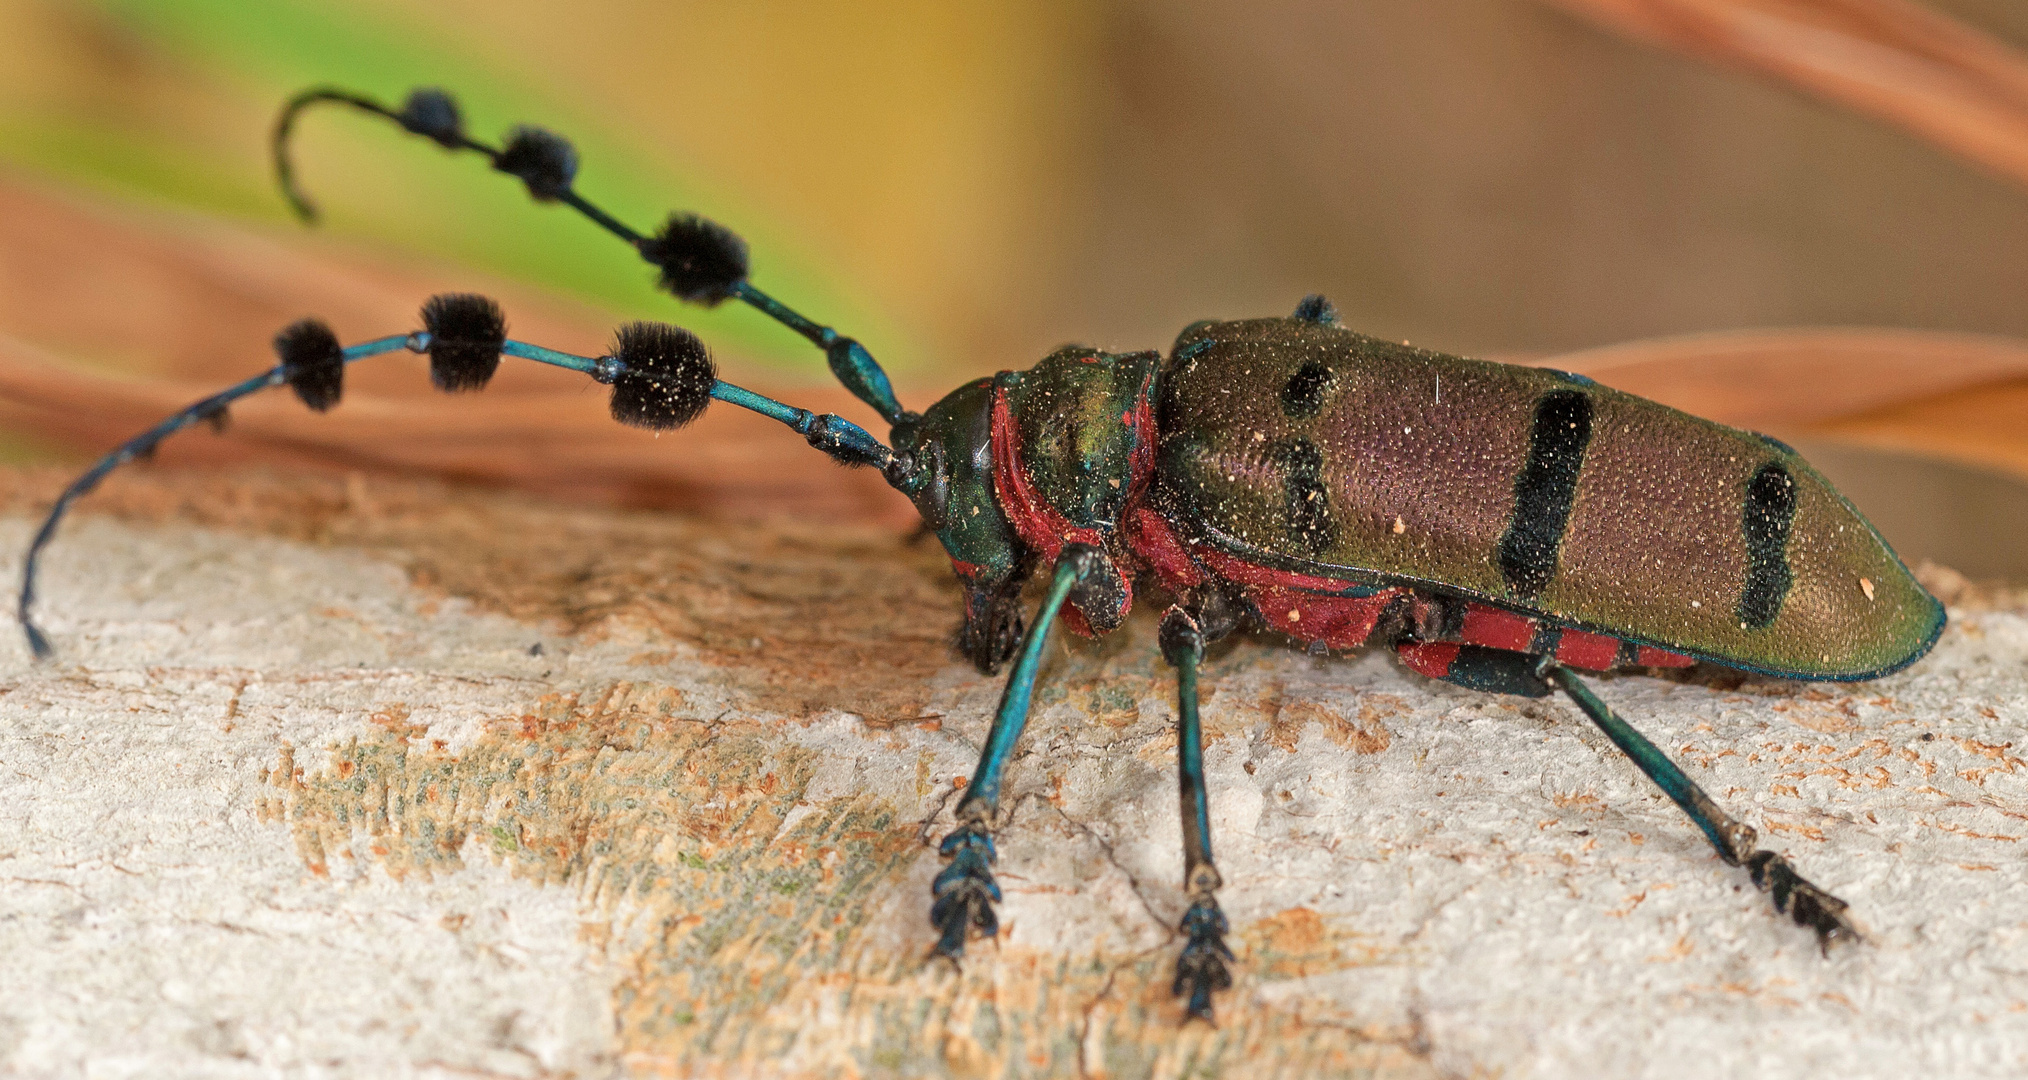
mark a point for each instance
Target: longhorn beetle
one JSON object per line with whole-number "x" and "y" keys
{"x": 1499, "y": 533}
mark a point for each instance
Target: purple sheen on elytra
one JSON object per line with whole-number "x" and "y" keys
{"x": 1424, "y": 462}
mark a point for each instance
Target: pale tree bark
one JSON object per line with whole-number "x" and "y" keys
{"x": 378, "y": 778}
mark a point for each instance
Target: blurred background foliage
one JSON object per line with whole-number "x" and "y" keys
{"x": 889, "y": 163}
{"x": 965, "y": 186}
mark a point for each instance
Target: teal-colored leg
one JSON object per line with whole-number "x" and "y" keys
{"x": 1807, "y": 904}
{"x": 1201, "y": 969}
{"x": 965, "y": 892}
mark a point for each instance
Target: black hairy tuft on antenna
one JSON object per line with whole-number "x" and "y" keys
{"x": 433, "y": 114}
{"x": 701, "y": 261}
{"x": 313, "y": 363}
{"x": 466, "y": 334}
{"x": 668, "y": 376}
{"x": 544, "y": 160}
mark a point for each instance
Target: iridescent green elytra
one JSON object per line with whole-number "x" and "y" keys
{"x": 1646, "y": 523}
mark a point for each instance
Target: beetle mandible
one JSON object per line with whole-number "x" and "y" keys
{"x": 1498, "y": 527}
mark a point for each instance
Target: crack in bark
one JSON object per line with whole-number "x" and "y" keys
{"x": 1106, "y": 846}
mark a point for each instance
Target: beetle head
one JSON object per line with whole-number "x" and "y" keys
{"x": 949, "y": 476}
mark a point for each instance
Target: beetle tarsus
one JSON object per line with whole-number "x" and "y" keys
{"x": 1796, "y": 897}
{"x": 993, "y": 623}
{"x": 1201, "y": 969}
{"x": 965, "y": 892}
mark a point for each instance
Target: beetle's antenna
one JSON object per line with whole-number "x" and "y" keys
{"x": 700, "y": 261}
{"x": 662, "y": 378}
{"x": 312, "y": 363}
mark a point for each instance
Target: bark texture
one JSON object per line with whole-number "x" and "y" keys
{"x": 374, "y": 778}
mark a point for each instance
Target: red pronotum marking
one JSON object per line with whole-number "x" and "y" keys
{"x": 1154, "y": 543}
{"x": 1042, "y": 526}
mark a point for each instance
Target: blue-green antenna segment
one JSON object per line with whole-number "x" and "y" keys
{"x": 313, "y": 363}
{"x": 699, "y": 261}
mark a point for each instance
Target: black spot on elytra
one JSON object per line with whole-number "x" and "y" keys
{"x": 1306, "y": 508}
{"x": 1303, "y": 394}
{"x": 1544, "y": 491}
{"x": 1769, "y": 514}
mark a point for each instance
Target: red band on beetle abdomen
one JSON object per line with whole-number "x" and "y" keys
{"x": 1497, "y": 629}
{"x": 1339, "y": 622}
{"x": 1592, "y": 652}
{"x": 1431, "y": 659}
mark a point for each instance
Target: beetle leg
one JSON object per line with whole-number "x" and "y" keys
{"x": 965, "y": 892}
{"x": 1807, "y": 904}
{"x": 1201, "y": 968}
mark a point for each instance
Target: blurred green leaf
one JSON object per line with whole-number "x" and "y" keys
{"x": 373, "y": 181}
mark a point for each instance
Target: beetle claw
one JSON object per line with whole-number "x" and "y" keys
{"x": 965, "y": 892}
{"x": 1807, "y": 904}
{"x": 1201, "y": 967}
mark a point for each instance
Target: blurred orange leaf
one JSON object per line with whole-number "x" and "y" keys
{"x": 1959, "y": 396}
{"x": 1893, "y": 59}
{"x": 179, "y": 307}
{"x": 1795, "y": 378}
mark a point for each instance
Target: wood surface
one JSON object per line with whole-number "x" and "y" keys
{"x": 386, "y": 777}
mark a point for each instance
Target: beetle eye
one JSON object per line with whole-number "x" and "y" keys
{"x": 933, "y": 498}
